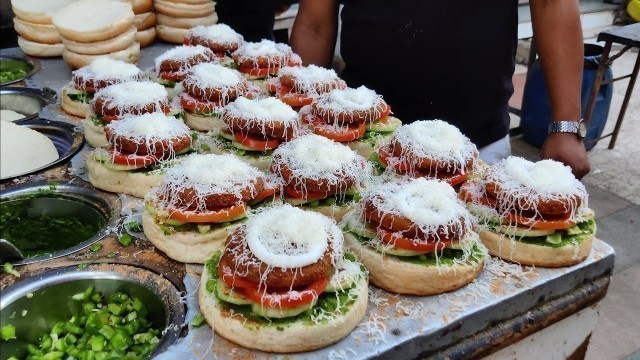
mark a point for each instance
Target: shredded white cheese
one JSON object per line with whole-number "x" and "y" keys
{"x": 105, "y": 68}
{"x": 220, "y": 33}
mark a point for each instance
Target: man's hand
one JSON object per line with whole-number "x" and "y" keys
{"x": 568, "y": 149}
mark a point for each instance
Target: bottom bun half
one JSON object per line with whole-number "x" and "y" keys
{"x": 95, "y": 134}
{"x": 37, "y": 49}
{"x": 125, "y": 182}
{"x": 128, "y": 55}
{"x": 366, "y": 147}
{"x": 535, "y": 255}
{"x": 171, "y": 34}
{"x": 74, "y": 108}
{"x": 187, "y": 247}
{"x": 296, "y": 336}
{"x": 203, "y": 123}
{"x": 391, "y": 274}
{"x": 146, "y": 37}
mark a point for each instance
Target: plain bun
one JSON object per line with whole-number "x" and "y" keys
{"x": 42, "y": 33}
{"x": 203, "y": 123}
{"x": 171, "y": 34}
{"x": 71, "y": 107}
{"x": 186, "y": 23}
{"x": 129, "y": 55}
{"x": 93, "y": 20}
{"x": 38, "y": 11}
{"x": 38, "y": 49}
{"x": 535, "y": 255}
{"x": 394, "y": 275}
{"x": 145, "y": 21}
{"x": 118, "y": 43}
{"x": 140, "y": 6}
{"x": 146, "y": 37}
{"x": 186, "y": 247}
{"x": 183, "y": 10}
{"x": 292, "y": 337}
{"x": 125, "y": 182}
{"x": 94, "y": 134}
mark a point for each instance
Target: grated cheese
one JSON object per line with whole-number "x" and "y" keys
{"x": 134, "y": 94}
{"x": 219, "y": 33}
{"x": 183, "y": 53}
{"x": 105, "y": 68}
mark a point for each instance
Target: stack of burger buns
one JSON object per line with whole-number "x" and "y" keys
{"x": 93, "y": 28}
{"x": 144, "y": 21}
{"x": 33, "y": 22}
{"x": 176, "y": 17}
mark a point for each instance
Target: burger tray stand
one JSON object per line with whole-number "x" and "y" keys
{"x": 503, "y": 306}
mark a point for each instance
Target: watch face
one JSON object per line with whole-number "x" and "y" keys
{"x": 582, "y": 129}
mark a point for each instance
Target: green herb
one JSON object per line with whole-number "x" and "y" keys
{"x": 205, "y": 147}
{"x": 111, "y": 255}
{"x": 134, "y": 226}
{"x": 8, "y": 268}
{"x": 95, "y": 247}
{"x": 197, "y": 321}
{"x": 8, "y": 332}
{"x": 125, "y": 239}
{"x": 82, "y": 266}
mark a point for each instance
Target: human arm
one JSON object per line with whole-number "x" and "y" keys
{"x": 558, "y": 34}
{"x": 314, "y": 31}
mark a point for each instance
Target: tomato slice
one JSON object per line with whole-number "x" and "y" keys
{"x": 257, "y": 71}
{"x": 304, "y": 195}
{"x": 109, "y": 118}
{"x": 265, "y": 194}
{"x": 456, "y": 179}
{"x": 287, "y": 299}
{"x": 213, "y": 216}
{"x": 197, "y": 105}
{"x": 340, "y": 135}
{"x": 132, "y": 159}
{"x": 228, "y": 276}
{"x": 294, "y": 99}
{"x": 257, "y": 143}
{"x": 171, "y": 75}
{"x": 539, "y": 224}
{"x": 89, "y": 89}
{"x": 411, "y": 244}
{"x": 386, "y": 113}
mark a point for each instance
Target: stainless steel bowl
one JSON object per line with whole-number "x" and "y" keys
{"x": 26, "y": 101}
{"x": 78, "y": 200}
{"x": 34, "y": 305}
{"x": 67, "y": 138}
{"x": 30, "y": 65}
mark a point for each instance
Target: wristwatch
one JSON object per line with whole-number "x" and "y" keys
{"x": 576, "y": 127}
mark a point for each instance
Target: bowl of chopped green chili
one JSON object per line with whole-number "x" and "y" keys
{"x": 107, "y": 311}
{"x": 14, "y": 69}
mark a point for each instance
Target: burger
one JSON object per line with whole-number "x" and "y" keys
{"x": 171, "y": 67}
{"x": 85, "y": 81}
{"x": 298, "y": 85}
{"x": 253, "y": 128}
{"x": 220, "y": 38}
{"x": 431, "y": 149}
{"x": 358, "y": 117}
{"x": 532, "y": 213}
{"x": 140, "y": 147}
{"x": 259, "y": 60}
{"x": 206, "y": 90}
{"x": 116, "y": 101}
{"x": 200, "y": 201}
{"x": 320, "y": 174}
{"x": 283, "y": 283}
{"x": 415, "y": 237}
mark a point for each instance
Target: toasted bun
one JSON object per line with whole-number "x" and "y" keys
{"x": 38, "y": 11}
{"x": 536, "y": 255}
{"x": 203, "y": 123}
{"x": 140, "y": 6}
{"x": 118, "y": 43}
{"x": 184, "y": 10}
{"x": 93, "y": 20}
{"x": 187, "y": 247}
{"x": 75, "y": 60}
{"x": 146, "y": 37}
{"x": 366, "y": 148}
{"x": 136, "y": 184}
{"x": 186, "y": 23}
{"x": 171, "y": 34}
{"x": 39, "y": 50}
{"x": 402, "y": 277}
{"x": 145, "y": 21}
{"x": 73, "y": 107}
{"x": 290, "y": 338}
{"x": 42, "y": 33}
{"x": 95, "y": 135}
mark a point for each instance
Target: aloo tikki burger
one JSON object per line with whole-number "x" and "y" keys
{"x": 261, "y": 59}
{"x": 283, "y": 283}
{"x": 415, "y": 237}
{"x": 220, "y": 38}
{"x": 86, "y": 81}
{"x": 207, "y": 89}
{"x": 140, "y": 146}
{"x": 298, "y": 85}
{"x": 200, "y": 201}
{"x": 358, "y": 117}
{"x": 253, "y": 128}
{"x": 172, "y": 65}
{"x": 532, "y": 213}
{"x": 320, "y": 174}
{"x": 432, "y": 149}
{"x": 116, "y": 101}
